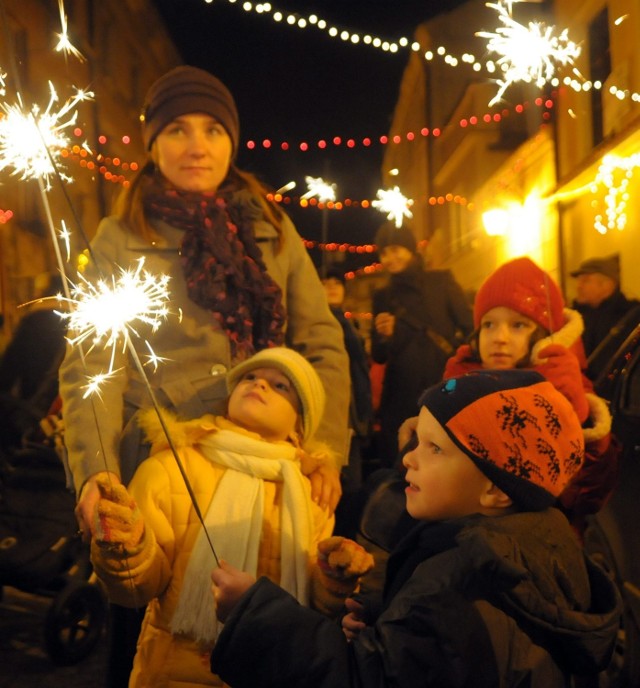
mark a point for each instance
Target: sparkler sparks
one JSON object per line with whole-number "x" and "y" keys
{"x": 394, "y": 203}
{"x": 318, "y": 187}
{"x": 528, "y": 53}
{"x": 106, "y": 314}
{"x": 64, "y": 42}
{"x": 31, "y": 143}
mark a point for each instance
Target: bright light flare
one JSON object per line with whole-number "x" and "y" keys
{"x": 107, "y": 314}
{"x": 31, "y": 143}
{"x": 528, "y": 53}
{"x": 64, "y": 42}
{"x": 394, "y": 203}
{"x": 323, "y": 191}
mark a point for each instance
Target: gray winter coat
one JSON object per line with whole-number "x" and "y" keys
{"x": 101, "y": 432}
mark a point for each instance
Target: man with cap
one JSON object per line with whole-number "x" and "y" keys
{"x": 419, "y": 318}
{"x": 490, "y": 589}
{"x": 607, "y": 313}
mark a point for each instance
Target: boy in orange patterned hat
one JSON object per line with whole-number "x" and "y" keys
{"x": 491, "y": 588}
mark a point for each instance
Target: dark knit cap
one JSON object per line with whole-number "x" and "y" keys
{"x": 390, "y": 235}
{"x": 185, "y": 90}
{"x": 516, "y": 427}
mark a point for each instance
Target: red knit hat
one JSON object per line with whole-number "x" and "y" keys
{"x": 516, "y": 427}
{"x": 521, "y": 285}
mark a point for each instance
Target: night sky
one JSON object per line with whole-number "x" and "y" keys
{"x": 301, "y": 85}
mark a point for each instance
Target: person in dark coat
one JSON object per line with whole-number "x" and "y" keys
{"x": 608, "y": 315}
{"x": 490, "y": 589}
{"x": 360, "y": 407}
{"x": 419, "y": 318}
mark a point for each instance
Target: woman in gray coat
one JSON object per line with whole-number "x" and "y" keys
{"x": 240, "y": 281}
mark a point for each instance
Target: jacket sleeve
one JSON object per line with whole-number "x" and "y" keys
{"x": 290, "y": 645}
{"x": 380, "y": 345}
{"x": 417, "y": 643}
{"x": 459, "y": 308}
{"x": 316, "y": 334}
{"x": 93, "y": 425}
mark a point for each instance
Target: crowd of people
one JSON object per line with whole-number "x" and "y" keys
{"x": 222, "y": 510}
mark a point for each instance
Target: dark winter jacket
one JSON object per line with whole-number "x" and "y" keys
{"x": 429, "y": 305}
{"x": 606, "y": 320}
{"x": 479, "y": 602}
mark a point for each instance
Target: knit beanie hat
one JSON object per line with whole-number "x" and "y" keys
{"x": 390, "y": 235}
{"x": 186, "y": 90}
{"x": 516, "y": 427}
{"x": 301, "y": 375}
{"x": 521, "y": 285}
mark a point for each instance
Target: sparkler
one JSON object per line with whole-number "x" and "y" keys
{"x": 31, "y": 143}
{"x": 64, "y": 42}
{"x": 323, "y": 191}
{"x": 394, "y": 203}
{"x": 108, "y": 314}
{"x": 528, "y": 53}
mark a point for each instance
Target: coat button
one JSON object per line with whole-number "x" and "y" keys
{"x": 217, "y": 369}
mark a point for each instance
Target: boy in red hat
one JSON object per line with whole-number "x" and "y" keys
{"x": 490, "y": 589}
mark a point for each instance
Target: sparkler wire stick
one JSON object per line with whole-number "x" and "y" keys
{"x": 154, "y": 401}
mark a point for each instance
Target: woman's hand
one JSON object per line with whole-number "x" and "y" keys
{"x": 89, "y": 496}
{"x": 385, "y": 324}
{"x": 229, "y": 585}
{"x": 352, "y": 622}
{"x": 326, "y": 488}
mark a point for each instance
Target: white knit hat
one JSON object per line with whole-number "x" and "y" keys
{"x": 301, "y": 374}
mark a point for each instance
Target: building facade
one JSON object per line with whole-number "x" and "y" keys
{"x": 124, "y": 47}
{"x": 549, "y": 172}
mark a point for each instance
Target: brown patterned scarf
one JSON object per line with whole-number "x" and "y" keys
{"x": 223, "y": 265}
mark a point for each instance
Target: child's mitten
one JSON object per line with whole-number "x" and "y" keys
{"x": 343, "y": 561}
{"x": 117, "y": 519}
{"x": 561, "y": 367}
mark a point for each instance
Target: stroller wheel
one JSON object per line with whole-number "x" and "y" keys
{"x": 74, "y": 623}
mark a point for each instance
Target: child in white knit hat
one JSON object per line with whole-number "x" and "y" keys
{"x": 244, "y": 469}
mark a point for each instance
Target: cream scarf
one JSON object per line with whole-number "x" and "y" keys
{"x": 234, "y": 522}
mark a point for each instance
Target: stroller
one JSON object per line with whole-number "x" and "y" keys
{"x": 41, "y": 551}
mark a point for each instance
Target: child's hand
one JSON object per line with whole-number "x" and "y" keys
{"x": 116, "y": 517}
{"x": 561, "y": 367}
{"x": 407, "y": 432}
{"x": 352, "y": 622}
{"x": 343, "y": 559}
{"x": 229, "y": 585}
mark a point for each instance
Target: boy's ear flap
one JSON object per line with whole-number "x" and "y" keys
{"x": 494, "y": 498}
